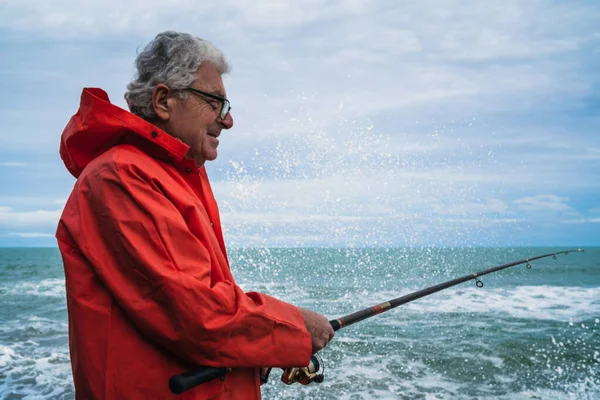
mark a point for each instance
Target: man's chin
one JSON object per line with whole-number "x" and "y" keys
{"x": 210, "y": 157}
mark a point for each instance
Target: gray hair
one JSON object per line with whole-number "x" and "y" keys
{"x": 171, "y": 58}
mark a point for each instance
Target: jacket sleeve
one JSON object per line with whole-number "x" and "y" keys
{"x": 159, "y": 273}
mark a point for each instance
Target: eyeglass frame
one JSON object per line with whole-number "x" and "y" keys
{"x": 223, "y": 100}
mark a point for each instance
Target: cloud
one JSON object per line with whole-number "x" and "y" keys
{"x": 12, "y": 219}
{"x": 355, "y": 120}
{"x": 485, "y": 206}
{"x": 66, "y": 18}
{"x": 32, "y": 235}
{"x": 361, "y": 208}
{"x": 582, "y": 221}
{"x": 543, "y": 203}
{"x": 29, "y": 202}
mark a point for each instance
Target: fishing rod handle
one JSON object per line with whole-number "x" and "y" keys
{"x": 187, "y": 380}
{"x": 335, "y": 324}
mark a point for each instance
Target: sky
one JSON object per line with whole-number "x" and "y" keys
{"x": 357, "y": 123}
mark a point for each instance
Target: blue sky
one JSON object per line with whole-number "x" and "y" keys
{"x": 357, "y": 123}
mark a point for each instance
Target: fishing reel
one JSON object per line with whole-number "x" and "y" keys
{"x": 305, "y": 375}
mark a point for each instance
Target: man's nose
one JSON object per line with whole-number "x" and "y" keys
{"x": 227, "y": 122}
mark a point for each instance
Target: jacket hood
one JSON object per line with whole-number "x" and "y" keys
{"x": 99, "y": 125}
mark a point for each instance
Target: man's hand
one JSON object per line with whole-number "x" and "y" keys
{"x": 319, "y": 328}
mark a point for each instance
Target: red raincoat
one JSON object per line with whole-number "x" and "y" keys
{"x": 149, "y": 289}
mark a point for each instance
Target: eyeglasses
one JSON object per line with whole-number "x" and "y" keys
{"x": 225, "y": 105}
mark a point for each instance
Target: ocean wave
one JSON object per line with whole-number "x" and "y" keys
{"x": 554, "y": 303}
{"x": 33, "y": 372}
{"x": 44, "y": 288}
{"x": 33, "y": 326}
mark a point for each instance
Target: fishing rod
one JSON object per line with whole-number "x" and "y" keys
{"x": 305, "y": 375}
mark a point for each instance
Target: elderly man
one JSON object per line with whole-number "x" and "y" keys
{"x": 149, "y": 289}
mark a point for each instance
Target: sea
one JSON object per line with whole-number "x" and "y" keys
{"x": 528, "y": 333}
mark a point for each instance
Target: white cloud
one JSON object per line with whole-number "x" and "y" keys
{"x": 485, "y": 206}
{"x": 582, "y": 221}
{"x": 101, "y": 18}
{"x": 361, "y": 207}
{"x": 10, "y": 202}
{"x": 590, "y": 153}
{"x": 32, "y": 235}
{"x": 13, "y": 219}
{"x": 543, "y": 203}
{"x": 349, "y": 114}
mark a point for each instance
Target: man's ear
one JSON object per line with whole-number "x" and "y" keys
{"x": 161, "y": 102}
